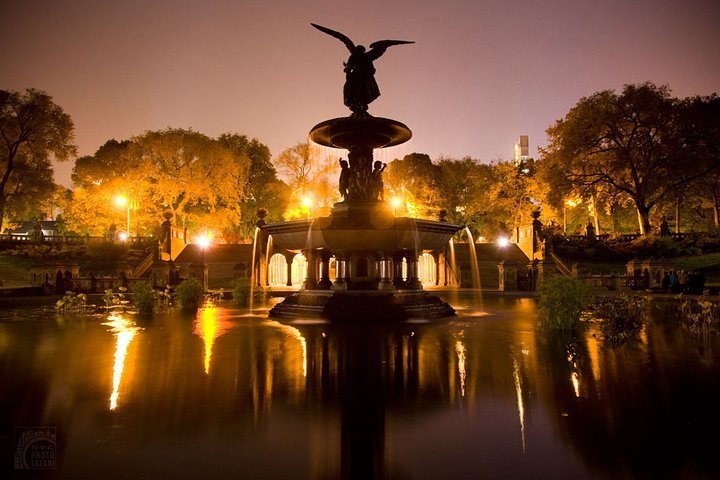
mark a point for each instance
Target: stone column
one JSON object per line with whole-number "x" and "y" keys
{"x": 397, "y": 277}
{"x": 310, "y": 282}
{"x": 340, "y": 266}
{"x": 384, "y": 272}
{"x": 413, "y": 281}
{"x": 508, "y": 275}
{"x": 289, "y": 271}
{"x": 324, "y": 283}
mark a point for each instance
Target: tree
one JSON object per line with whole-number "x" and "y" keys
{"x": 416, "y": 180}
{"x": 309, "y": 173}
{"x": 32, "y": 130}
{"x": 187, "y": 173}
{"x": 636, "y": 143}
{"x": 465, "y": 186}
{"x": 262, "y": 189}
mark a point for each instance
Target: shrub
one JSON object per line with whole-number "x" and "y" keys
{"x": 190, "y": 293}
{"x": 562, "y": 299}
{"x": 620, "y": 317}
{"x": 143, "y": 297}
{"x": 241, "y": 292}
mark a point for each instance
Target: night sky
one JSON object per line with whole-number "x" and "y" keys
{"x": 481, "y": 73}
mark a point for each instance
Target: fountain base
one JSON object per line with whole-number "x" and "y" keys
{"x": 362, "y": 305}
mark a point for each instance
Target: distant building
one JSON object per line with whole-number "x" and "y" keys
{"x": 522, "y": 150}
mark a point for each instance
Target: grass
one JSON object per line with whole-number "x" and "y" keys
{"x": 15, "y": 271}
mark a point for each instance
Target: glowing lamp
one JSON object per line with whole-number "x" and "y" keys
{"x": 503, "y": 242}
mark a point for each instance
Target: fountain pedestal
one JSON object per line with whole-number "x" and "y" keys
{"x": 375, "y": 252}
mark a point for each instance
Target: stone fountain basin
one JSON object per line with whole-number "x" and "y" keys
{"x": 369, "y": 131}
{"x": 382, "y": 234}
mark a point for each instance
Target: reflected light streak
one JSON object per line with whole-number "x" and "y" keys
{"x": 209, "y": 325}
{"x": 575, "y": 379}
{"x": 124, "y": 331}
{"x": 295, "y": 333}
{"x": 303, "y": 344}
{"x": 460, "y": 350}
{"x": 520, "y": 403}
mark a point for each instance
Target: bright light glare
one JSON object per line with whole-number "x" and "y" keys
{"x": 204, "y": 241}
{"x": 503, "y": 241}
{"x": 123, "y": 236}
{"x": 121, "y": 200}
{"x": 396, "y": 202}
{"x": 307, "y": 201}
{"x": 572, "y": 202}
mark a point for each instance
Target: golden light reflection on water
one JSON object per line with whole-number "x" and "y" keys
{"x": 124, "y": 331}
{"x": 460, "y": 351}
{"x": 575, "y": 380}
{"x": 520, "y": 403}
{"x": 210, "y": 323}
{"x": 296, "y": 334}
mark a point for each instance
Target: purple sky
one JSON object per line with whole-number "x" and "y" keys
{"x": 481, "y": 73}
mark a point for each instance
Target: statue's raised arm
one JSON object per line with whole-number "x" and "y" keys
{"x": 360, "y": 86}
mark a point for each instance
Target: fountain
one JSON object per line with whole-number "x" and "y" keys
{"x": 367, "y": 241}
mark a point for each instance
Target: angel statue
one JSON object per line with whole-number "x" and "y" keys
{"x": 360, "y": 85}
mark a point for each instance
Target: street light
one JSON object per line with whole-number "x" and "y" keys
{"x": 121, "y": 201}
{"x": 395, "y": 202}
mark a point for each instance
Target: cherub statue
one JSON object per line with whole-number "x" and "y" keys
{"x": 360, "y": 85}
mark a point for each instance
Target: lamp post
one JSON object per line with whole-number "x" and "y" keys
{"x": 205, "y": 242}
{"x": 122, "y": 201}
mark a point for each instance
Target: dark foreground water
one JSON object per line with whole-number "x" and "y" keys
{"x": 231, "y": 395}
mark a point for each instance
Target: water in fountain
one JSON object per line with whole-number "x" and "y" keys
{"x": 474, "y": 268}
{"x": 268, "y": 254}
{"x": 251, "y": 300}
{"x": 453, "y": 271}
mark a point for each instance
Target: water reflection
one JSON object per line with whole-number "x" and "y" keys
{"x": 209, "y": 325}
{"x": 124, "y": 331}
{"x": 472, "y": 397}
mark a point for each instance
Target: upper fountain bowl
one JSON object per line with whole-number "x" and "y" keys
{"x": 367, "y": 131}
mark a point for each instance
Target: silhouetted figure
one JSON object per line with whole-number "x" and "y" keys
{"x": 664, "y": 228}
{"x": 590, "y": 231}
{"x": 378, "y": 184}
{"x": 344, "y": 182}
{"x": 360, "y": 85}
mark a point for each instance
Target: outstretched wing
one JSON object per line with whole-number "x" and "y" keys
{"x": 348, "y": 43}
{"x": 379, "y": 47}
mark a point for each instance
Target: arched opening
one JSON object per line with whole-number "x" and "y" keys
{"x": 426, "y": 269}
{"x": 299, "y": 269}
{"x": 277, "y": 270}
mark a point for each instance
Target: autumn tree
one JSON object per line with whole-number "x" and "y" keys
{"x": 33, "y": 130}
{"x": 191, "y": 175}
{"x": 311, "y": 176}
{"x": 465, "y": 187}
{"x": 261, "y": 188}
{"x": 415, "y": 179}
{"x": 636, "y": 143}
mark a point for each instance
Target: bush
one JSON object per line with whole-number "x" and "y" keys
{"x": 143, "y": 297}
{"x": 620, "y": 317}
{"x": 241, "y": 292}
{"x": 562, "y": 299}
{"x": 190, "y": 293}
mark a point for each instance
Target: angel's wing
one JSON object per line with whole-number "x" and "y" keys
{"x": 379, "y": 47}
{"x": 348, "y": 43}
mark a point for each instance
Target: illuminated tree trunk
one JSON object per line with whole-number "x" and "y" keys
{"x": 596, "y": 220}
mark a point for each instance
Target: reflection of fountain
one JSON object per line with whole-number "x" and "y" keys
{"x": 368, "y": 242}
{"x": 124, "y": 331}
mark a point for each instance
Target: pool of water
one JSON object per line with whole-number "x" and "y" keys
{"x": 228, "y": 394}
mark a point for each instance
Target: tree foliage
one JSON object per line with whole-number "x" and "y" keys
{"x": 33, "y": 130}
{"x": 640, "y": 143}
{"x": 200, "y": 180}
